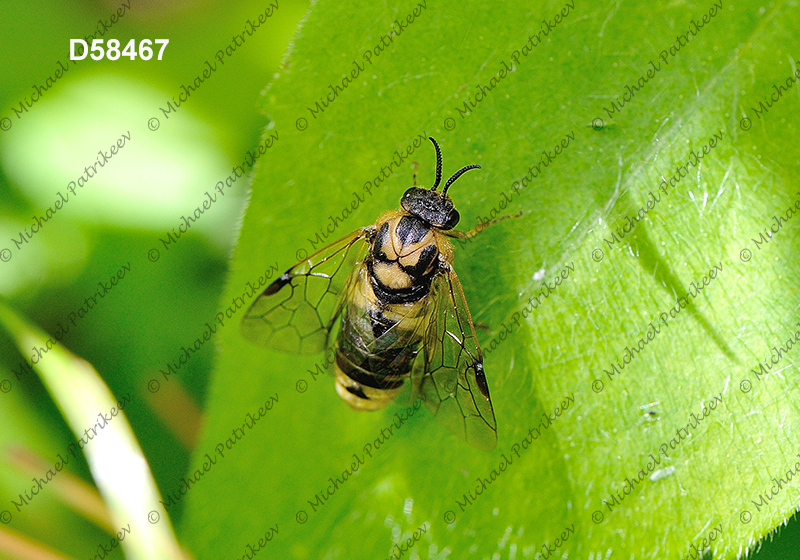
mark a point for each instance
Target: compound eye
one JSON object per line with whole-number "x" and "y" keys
{"x": 452, "y": 219}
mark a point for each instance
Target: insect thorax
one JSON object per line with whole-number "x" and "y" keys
{"x": 403, "y": 259}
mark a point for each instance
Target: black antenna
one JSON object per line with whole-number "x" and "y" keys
{"x": 458, "y": 174}
{"x": 438, "y": 163}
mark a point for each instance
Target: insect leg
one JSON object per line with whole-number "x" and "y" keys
{"x": 479, "y": 228}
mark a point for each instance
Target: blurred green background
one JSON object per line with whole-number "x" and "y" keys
{"x": 120, "y": 215}
{"x": 137, "y": 198}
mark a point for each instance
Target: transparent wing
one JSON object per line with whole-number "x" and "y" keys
{"x": 453, "y": 383}
{"x": 399, "y": 349}
{"x": 295, "y": 313}
{"x": 384, "y": 341}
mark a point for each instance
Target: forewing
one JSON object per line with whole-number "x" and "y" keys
{"x": 296, "y": 312}
{"x": 384, "y": 341}
{"x": 401, "y": 344}
{"x": 453, "y": 383}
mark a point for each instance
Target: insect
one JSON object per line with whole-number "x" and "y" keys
{"x": 399, "y": 320}
{"x": 649, "y": 415}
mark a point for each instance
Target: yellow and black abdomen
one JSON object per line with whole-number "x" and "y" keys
{"x": 382, "y": 323}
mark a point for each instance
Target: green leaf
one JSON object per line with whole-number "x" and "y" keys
{"x": 682, "y": 360}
